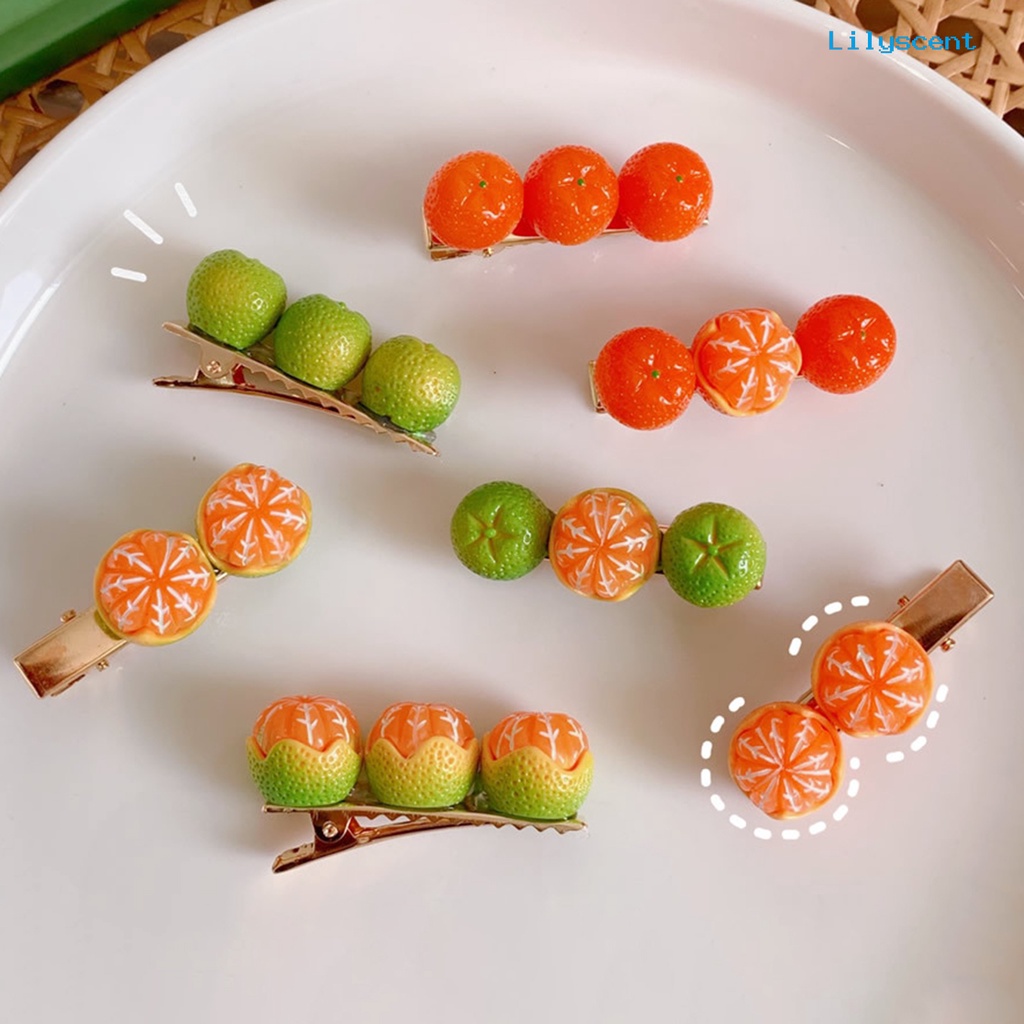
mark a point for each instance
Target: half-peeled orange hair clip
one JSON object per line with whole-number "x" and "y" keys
{"x": 867, "y": 679}
{"x": 421, "y": 768}
{"x": 154, "y": 587}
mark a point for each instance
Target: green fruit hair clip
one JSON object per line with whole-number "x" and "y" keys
{"x": 315, "y": 352}
{"x": 605, "y": 544}
{"x": 422, "y": 764}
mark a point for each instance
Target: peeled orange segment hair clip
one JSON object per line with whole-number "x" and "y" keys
{"x": 869, "y": 679}
{"x": 252, "y": 372}
{"x": 155, "y": 587}
{"x": 418, "y": 772}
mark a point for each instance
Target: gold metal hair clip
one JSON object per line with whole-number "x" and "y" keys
{"x": 440, "y": 251}
{"x": 154, "y": 587}
{"x": 338, "y": 828}
{"x": 868, "y": 679}
{"x": 252, "y": 372}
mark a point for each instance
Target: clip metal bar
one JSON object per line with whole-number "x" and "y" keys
{"x": 252, "y": 373}
{"x": 65, "y": 654}
{"x": 942, "y": 606}
{"x": 439, "y": 251}
{"x": 595, "y": 398}
{"x": 80, "y": 643}
{"x": 336, "y": 828}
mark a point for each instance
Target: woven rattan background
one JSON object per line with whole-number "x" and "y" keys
{"x": 993, "y": 72}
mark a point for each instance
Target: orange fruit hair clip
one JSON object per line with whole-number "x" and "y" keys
{"x": 605, "y": 544}
{"x": 421, "y": 764}
{"x": 742, "y": 362}
{"x": 868, "y": 679}
{"x": 477, "y": 202}
{"x": 154, "y": 587}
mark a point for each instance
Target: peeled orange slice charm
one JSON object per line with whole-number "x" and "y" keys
{"x": 253, "y": 521}
{"x": 536, "y": 765}
{"x": 872, "y": 679}
{"x": 154, "y": 587}
{"x": 787, "y": 758}
{"x": 421, "y": 755}
{"x": 604, "y": 544}
{"x": 745, "y": 360}
{"x": 305, "y": 751}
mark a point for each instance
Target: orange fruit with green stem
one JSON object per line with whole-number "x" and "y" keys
{"x": 253, "y": 521}
{"x": 421, "y": 755}
{"x": 305, "y": 751}
{"x": 745, "y": 360}
{"x": 787, "y": 758}
{"x": 604, "y": 544}
{"x": 473, "y": 201}
{"x": 847, "y": 343}
{"x": 872, "y": 679}
{"x": 665, "y": 191}
{"x": 154, "y": 587}
{"x": 570, "y": 195}
{"x": 644, "y": 378}
{"x": 536, "y": 765}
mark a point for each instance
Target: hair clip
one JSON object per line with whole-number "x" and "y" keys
{"x": 742, "y": 362}
{"x": 477, "y": 202}
{"x": 154, "y": 587}
{"x": 605, "y": 544}
{"x": 314, "y": 352}
{"x": 421, "y": 768}
{"x": 867, "y": 679}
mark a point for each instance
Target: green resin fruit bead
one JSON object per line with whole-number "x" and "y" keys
{"x": 535, "y": 765}
{"x": 421, "y": 755}
{"x": 305, "y": 752}
{"x": 234, "y": 299}
{"x": 500, "y": 530}
{"x": 412, "y": 383}
{"x": 713, "y": 555}
{"x": 322, "y": 342}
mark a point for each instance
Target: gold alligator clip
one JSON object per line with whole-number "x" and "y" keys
{"x": 439, "y": 251}
{"x": 252, "y": 372}
{"x": 338, "y": 828}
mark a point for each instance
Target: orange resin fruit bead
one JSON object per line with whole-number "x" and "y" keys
{"x": 644, "y": 378}
{"x": 154, "y": 587}
{"x": 847, "y": 343}
{"x": 664, "y": 191}
{"x": 872, "y": 679}
{"x": 570, "y": 195}
{"x": 604, "y": 544}
{"x": 305, "y": 752}
{"x": 787, "y": 759}
{"x": 474, "y": 201}
{"x": 536, "y": 765}
{"x": 421, "y": 755}
{"x": 745, "y": 360}
{"x": 253, "y": 521}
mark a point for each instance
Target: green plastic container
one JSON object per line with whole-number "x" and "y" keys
{"x": 39, "y": 37}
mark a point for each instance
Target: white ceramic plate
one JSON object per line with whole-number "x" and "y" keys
{"x": 134, "y": 863}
